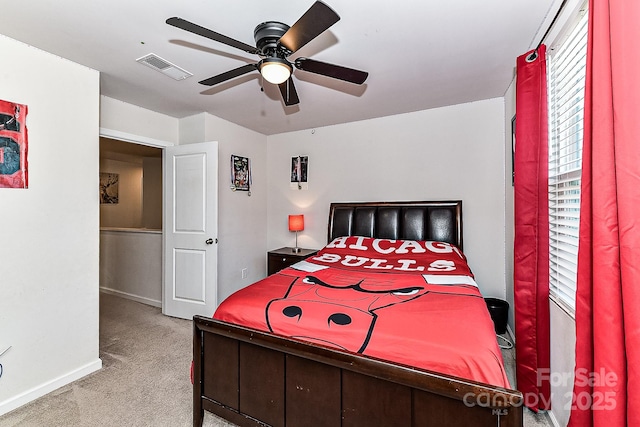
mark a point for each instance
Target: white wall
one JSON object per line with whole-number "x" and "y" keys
{"x": 242, "y": 219}
{"x": 131, "y": 264}
{"x": 453, "y": 152}
{"x": 510, "y": 109}
{"x": 152, "y": 193}
{"x": 49, "y": 240}
{"x": 126, "y": 122}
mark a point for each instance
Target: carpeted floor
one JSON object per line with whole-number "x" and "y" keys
{"x": 145, "y": 377}
{"x": 146, "y": 359}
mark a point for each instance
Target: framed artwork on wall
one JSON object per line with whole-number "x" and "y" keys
{"x": 240, "y": 174}
{"x": 109, "y": 188}
{"x": 13, "y": 145}
{"x": 299, "y": 172}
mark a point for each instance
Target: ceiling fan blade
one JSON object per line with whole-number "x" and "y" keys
{"x": 229, "y": 75}
{"x": 314, "y": 22}
{"x": 205, "y": 32}
{"x": 331, "y": 70}
{"x": 288, "y": 92}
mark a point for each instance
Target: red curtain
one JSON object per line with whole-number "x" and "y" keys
{"x": 607, "y": 376}
{"x": 531, "y": 240}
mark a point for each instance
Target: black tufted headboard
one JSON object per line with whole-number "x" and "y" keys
{"x": 440, "y": 220}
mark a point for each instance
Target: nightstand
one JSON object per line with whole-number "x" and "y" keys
{"x": 278, "y": 259}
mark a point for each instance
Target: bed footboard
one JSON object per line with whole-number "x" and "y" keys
{"x": 251, "y": 378}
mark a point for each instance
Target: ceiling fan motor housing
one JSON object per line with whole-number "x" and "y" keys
{"x": 267, "y": 36}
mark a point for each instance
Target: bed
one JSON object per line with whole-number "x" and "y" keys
{"x": 385, "y": 326}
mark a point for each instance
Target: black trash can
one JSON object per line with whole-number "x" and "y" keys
{"x": 499, "y": 310}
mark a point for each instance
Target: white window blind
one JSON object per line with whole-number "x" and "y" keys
{"x": 566, "y": 81}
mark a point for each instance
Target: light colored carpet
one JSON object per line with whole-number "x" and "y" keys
{"x": 145, "y": 377}
{"x": 144, "y": 381}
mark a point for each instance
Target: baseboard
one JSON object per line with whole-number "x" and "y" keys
{"x": 46, "y": 388}
{"x": 136, "y": 298}
{"x": 511, "y": 335}
{"x": 552, "y": 419}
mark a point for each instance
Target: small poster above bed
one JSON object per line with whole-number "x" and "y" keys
{"x": 299, "y": 173}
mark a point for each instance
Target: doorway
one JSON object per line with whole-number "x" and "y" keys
{"x": 131, "y": 220}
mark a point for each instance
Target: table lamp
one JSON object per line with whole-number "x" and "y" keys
{"x": 296, "y": 223}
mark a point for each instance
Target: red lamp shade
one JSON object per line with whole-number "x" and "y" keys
{"x": 296, "y": 222}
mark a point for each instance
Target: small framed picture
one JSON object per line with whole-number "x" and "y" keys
{"x": 109, "y": 188}
{"x": 240, "y": 173}
{"x": 299, "y": 172}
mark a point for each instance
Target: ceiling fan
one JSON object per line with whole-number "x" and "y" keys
{"x": 275, "y": 42}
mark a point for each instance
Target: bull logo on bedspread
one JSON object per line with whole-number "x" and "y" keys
{"x": 333, "y": 311}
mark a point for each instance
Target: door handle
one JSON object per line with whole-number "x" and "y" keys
{"x": 209, "y": 241}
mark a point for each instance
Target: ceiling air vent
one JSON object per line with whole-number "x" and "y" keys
{"x": 165, "y": 67}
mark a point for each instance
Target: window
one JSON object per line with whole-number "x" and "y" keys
{"x": 566, "y": 82}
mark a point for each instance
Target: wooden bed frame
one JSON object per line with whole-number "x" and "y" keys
{"x": 253, "y": 378}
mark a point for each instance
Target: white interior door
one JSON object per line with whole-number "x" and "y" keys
{"x": 190, "y": 230}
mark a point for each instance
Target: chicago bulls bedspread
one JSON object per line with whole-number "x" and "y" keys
{"x": 410, "y": 302}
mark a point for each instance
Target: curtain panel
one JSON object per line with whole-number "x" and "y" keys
{"x": 607, "y": 375}
{"x": 531, "y": 240}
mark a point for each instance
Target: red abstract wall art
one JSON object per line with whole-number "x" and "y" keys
{"x": 13, "y": 145}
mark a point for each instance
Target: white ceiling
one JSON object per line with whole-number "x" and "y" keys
{"x": 420, "y": 54}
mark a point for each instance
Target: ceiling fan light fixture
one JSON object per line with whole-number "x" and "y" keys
{"x": 275, "y": 70}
